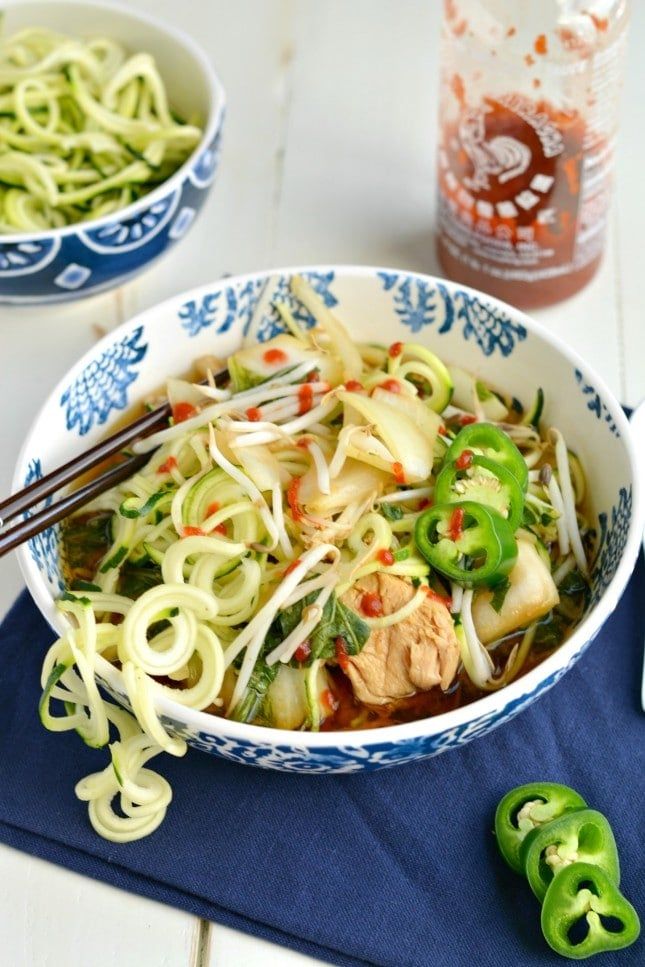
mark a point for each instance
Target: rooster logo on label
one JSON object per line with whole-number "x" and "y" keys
{"x": 501, "y": 156}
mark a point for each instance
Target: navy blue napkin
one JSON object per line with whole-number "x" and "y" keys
{"x": 396, "y": 868}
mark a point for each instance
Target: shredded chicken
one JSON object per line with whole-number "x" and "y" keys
{"x": 411, "y": 656}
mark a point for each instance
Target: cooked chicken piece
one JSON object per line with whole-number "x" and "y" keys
{"x": 411, "y": 656}
{"x": 531, "y": 594}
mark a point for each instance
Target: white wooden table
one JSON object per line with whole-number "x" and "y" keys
{"x": 328, "y": 157}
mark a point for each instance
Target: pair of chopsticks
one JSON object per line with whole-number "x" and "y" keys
{"x": 15, "y": 529}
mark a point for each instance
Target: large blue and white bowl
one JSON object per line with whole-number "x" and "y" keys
{"x": 80, "y": 260}
{"x": 484, "y": 335}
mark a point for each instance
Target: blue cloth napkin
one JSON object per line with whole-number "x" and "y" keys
{"x": 396, "y": 868}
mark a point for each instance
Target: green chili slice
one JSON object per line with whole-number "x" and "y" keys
{"x": 473, "y": 477}
{"x": 585, "y": 913}
{"x": 466, "y": 542}
{"x": 493, "y": 443}
{"x": 582, "y": 836}
{"x": 529, "y": 807}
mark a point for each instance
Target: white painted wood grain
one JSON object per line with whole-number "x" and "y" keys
{"x": 250, "y": 46}
{"x": 230, "y": 948}
{"x": 50, "y": 917}
{"x": 630, "y": 191}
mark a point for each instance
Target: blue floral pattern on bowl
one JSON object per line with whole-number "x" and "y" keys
{"x": 254, "y": 305}
{"x": 83, "y": 260}
{"x": 486, "y": 335}
{"x": 595, "y": 403}
{"x": 420, "y": 303}
{"x": 44, "y": 546}
{"x": 26, "y": 258}
{"x": 103, "y": 385}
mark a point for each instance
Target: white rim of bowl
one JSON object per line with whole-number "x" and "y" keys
{"x": 213, "y": 125}
{"x": 407, "y": 731}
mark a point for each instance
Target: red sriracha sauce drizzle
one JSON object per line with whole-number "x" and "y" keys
{"x": 424, "y": 503}
{"x": 192, "y": 532}
{"x": 313, "y": 376}
{"x": 303, "y": 651}
{"x": 212, "y": 508}
{"x": 305, "y": 398}
{"x": 183, "y": 411}
{"x": 292, "y": 499}
{"x": 371, "y": 605}
{"x": 386, "y": 557}
{"x": 341, "y": 652}
{"x": 395, "y": 350}
{"x": 456, "y": 524}
{"x": 275, "y": 357}
{"x": 398, "y": 472}
{"x": 291, "y": 567}
{"x": 353, "y": 386}
{"x": 466, "y": 418}
{"x": 220, "y": 529}
{"x": 391, "y": 385}
{"x": 169, "y": 465}
{"x": 464, "y": 460}
{"x": 253, "y": 414}
{"x": 434, "y": 596}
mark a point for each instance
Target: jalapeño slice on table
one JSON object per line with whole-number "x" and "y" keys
{"x": 474, "y": 477}
{"x": 493, "y": 443}
{"x": 585, "y": 913}
{"x": 466, "y": 542}
{"x": 526, "y": 808}
{"x": 582, "y": 836}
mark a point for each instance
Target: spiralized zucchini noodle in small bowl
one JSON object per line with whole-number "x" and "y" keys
{"x": 85, "y": 129}
{"x": 110, "y": 125}
{"x": 339, "y": 537}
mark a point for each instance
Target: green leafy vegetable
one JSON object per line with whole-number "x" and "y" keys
{"x": 573, "y": 584}
{"x": 499, "y": 595}
{"x": 133, "y": 581}
{"x": 391, "y": 511}
{"x": 249, "y": 708}
{"x": 338, "y": 621}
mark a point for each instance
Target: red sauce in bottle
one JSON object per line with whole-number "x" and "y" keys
{"x": 524, "y": 178}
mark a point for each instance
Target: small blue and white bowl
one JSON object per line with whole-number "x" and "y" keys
{"x": 495, "y": 341}
{"x": 80, "y": 260}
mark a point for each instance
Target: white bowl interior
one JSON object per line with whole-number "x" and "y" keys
{"x": 184, "y": 70}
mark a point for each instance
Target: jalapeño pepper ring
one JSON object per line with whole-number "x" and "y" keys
{"x": 467, "y": 542}
{"x": 494, "y": 444}
{"x": 584, "y": 892}
{"x": 529, "y": 807}
{"x": 581, "y": 836}
{"x": 496, "y": 487}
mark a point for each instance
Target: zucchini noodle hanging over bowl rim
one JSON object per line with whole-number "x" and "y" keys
{"x": 344, "y": 537}
{"x": 86, "y": 129}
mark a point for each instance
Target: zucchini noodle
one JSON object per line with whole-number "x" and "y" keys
{"x": 235, "y": 572}
{"x": 85, "y": 130}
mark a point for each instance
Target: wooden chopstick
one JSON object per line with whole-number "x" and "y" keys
{"x": 44, "y": 518}
{"x": 27, "y": 498}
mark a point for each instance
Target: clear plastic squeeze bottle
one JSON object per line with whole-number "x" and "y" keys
{"x": 527, "y": 125}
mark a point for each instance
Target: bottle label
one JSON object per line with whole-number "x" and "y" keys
{"x": 523, "y": 195}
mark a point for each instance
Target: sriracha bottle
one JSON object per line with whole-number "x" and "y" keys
{"x": 527, "y": 124}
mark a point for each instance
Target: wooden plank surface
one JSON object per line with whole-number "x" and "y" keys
{"x": 328, "y": 156}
